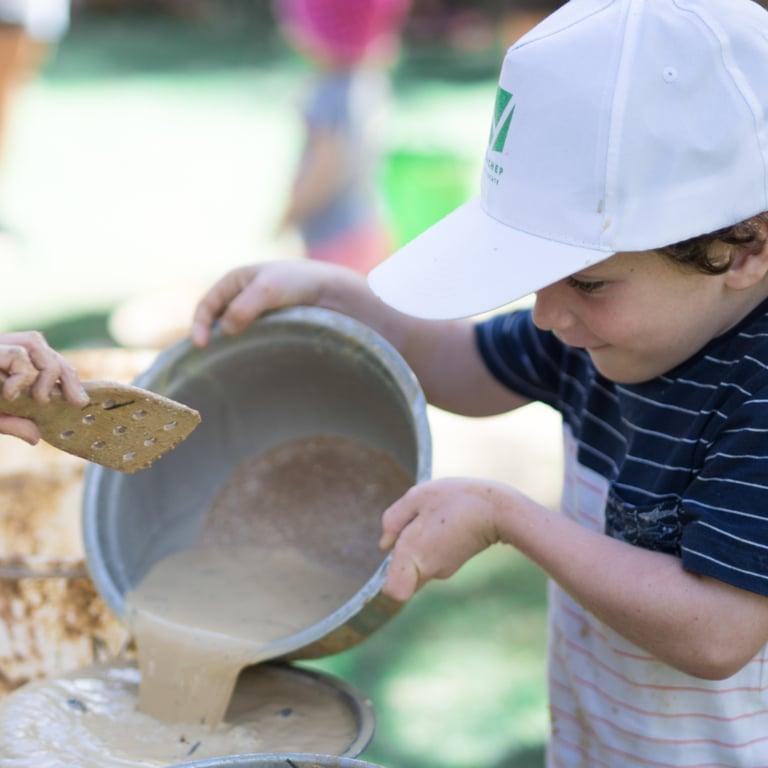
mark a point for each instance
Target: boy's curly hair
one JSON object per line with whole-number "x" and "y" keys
{"x": 750, "y": 235}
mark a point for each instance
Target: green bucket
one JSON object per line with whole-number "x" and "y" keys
{"x": 421, "y": 186}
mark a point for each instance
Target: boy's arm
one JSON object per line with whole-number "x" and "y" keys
{"x": 698, "y": 625}
{"x": 443, "y": 355}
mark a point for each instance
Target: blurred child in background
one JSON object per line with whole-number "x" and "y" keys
{"x": 333, "y": 203}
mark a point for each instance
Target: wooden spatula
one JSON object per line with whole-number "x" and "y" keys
{"x": 122, "y": 427}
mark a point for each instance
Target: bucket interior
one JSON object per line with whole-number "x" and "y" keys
{"x": 280, "y": 382}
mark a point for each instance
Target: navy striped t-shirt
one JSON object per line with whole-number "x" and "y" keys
{"x": 685, "y": 454}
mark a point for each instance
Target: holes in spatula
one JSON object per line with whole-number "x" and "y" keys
{"x": 108, "y": 405}
{"x": 149, "y": 442}
{"x": 138, "y": 415}
{"x": 169, "y": 426}
{"x": 130, "y": 456}
{"x": 67, "y": 434}
{"x": 89, "y": 418}
{"x": 97, "y": 445}
{"x": 120, "y": 429}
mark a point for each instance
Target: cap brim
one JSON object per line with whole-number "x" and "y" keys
{"x": 470, "y": 263}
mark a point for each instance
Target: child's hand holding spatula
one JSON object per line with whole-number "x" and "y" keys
{"x": 29, "y": 366}
{"x": 121, "y": 427}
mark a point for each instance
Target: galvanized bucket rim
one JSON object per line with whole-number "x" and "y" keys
{"x": 334, "y": 322}
{"x": 255, "y": 759}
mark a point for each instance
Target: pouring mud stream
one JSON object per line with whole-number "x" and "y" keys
{"x": 201, "y": 615}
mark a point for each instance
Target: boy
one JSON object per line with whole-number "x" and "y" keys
{"x": 621, "y": 126}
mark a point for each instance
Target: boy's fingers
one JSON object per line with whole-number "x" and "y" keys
{"x": 22, "y": 428}
{"x": 200, "y": 334}
{"x": 14, "y": 359}
{"x": 202, "y": 321}
{"x": 216, "y": 301}
{"x": 71, "y": 385}
{"x": 403, "y": 577}
{"x": 44, "y": 384}
{"x": 16, "y": 383}
{"x": 41, "y": 355}
{"x": 17, "y": 369}
{"x": 46, "y": 362}
{"x": 255, "y": 299}
{"x": 28, "y": 361}
{"x": 394, "y": 519}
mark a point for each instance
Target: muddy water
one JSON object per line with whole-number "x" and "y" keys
{"x": 90, "y": 720}
{"x": 190, "y": 655}
{"x": 291, "y": 537}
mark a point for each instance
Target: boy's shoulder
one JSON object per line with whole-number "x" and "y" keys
{"x": 738, "y": 355}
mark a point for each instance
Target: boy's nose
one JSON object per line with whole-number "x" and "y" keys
{"x": 551, "y": 312}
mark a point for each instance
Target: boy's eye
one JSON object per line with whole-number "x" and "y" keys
{"x": 585, "y": 286}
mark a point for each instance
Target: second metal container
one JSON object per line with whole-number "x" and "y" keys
{"x": 295, "y": 373}
{"x": 279, "y": 761}
{"x": 43, "y": 724}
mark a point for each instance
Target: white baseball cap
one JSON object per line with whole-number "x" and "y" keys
{"x": 620, "y": 125}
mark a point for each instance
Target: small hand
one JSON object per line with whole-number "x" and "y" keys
{"x": 245, "y": 293}
{"x": 28, "y": 363}
{"x": 435, "y": 528}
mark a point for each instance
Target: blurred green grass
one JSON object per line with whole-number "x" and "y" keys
{"x": 457, "y": 678}
{"x": 153, "y": 152}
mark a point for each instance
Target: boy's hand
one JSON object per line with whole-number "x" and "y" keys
{"x": 435, "y": 528}
{"x": 247, "y": 292}
{"x": 28, "y": 363}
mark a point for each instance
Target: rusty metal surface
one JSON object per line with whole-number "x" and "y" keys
{"x": 50, "y": 625}
{"x": 52, "y": 620}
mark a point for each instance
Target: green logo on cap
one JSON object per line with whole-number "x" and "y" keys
{"x": 502, "y": 118}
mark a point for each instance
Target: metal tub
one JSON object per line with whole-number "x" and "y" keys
{"x": 279, "y": 761}
{"x": 23, "y": 736}
{"x": 295, "y": 373}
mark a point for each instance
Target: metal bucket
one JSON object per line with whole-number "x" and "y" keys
{"x": 296, "y": 373}
{"x": 56, "y": 740}
{"x": 279, "y": 761}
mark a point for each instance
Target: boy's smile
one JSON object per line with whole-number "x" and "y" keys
{"x": 638, "y": 314}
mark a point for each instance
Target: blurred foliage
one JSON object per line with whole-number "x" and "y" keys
{"x": 421, "y": 186}
{"x": 435, "y": 32}
{"x": 237, "y": 37}
{"x": 98, "y": 47}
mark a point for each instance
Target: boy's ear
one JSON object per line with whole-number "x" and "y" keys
{"x": 749, "y": 266}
